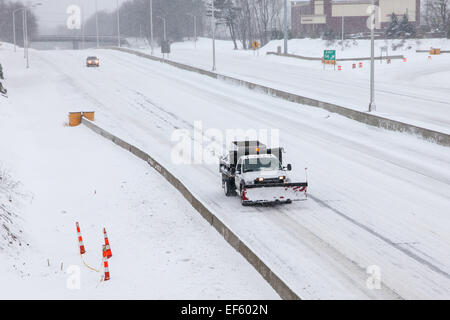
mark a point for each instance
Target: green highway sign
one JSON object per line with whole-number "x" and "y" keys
{"x": 329, "y": 55}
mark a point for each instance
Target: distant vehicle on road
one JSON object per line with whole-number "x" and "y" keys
{"x": 92, "y": 62}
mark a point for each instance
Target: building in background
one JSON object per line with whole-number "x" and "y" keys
{"x": 316, "y": 16}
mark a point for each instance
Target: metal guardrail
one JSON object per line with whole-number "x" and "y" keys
{"x": 363, "y": 117}
{"x": 266, "y": 272}
{"x": 428, "y": 51}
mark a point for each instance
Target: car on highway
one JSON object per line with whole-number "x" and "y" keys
{"x": 92, "y": 62}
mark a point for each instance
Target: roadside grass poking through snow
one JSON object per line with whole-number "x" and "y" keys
{"x": 9, "y": 199}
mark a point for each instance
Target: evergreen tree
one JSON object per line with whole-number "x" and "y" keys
{"x": 392, "y": 30}
{"x": 405, "y": 28}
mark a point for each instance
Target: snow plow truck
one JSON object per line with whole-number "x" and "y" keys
{"x": 256, "y": 173}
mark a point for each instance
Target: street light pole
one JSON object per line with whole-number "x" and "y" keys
{"x": 372, "y": 106}
{"x": 82, "y": 28}
{"x": 26, "y": 38}
{"x": 342, "y": 33}
{"x": 213, "y": 25}
{"x": 96, "y": 22}
{"x": 151, "y": 26}
{"x": 285, "y": 27}
{"x": 118, "y": 24}
{"x": 23, "y": 34}
{"x": 14, "y": 28}
{"x": 195, "y": 29}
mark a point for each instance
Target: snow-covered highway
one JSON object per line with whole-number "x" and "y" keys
{"x": 377, "y": 198}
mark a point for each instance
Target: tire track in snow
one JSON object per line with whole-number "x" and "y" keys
{"x": 397, "y": 246}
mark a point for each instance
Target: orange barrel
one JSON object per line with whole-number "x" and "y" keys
{"x": 89, "y": 115}
{"x": 435, "y": 51}
{"x": 74, "y": 118}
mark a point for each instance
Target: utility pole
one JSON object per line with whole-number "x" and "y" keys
{"x": 151, "y": 26}
{"x": 372, "y": 106}
{"x": 118, "y": 24}
{"x": 96, "y": 22}
{"x": 285, "y": 27}
{"x": 213, "y": 26}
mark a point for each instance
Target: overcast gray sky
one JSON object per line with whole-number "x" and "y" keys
{"x": 53, "y": 12}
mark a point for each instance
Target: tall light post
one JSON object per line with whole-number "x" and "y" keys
{"x": 164, "y": 23}
{"x": 342, "y": 33}
{"x": 118, "y": 24}
{"x": 195, "y": 29}
{"x": 24, "y": 36}
{"x": 25, "y": 22}
{"x": 372, "y": 106}
{"x": 14, "y": 25}
{"x": 151, "y": 26}
{"x": 285, "y": 26}
{"x": 213, "y": 28}
{"x": 96, "y": 22}
{"x": 82, "y": 28}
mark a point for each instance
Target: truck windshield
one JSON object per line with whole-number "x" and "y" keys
{"x": 261, "y": 164}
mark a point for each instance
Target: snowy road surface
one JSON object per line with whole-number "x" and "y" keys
{"x": 378, "y": 199}
{"x": 413, "y": 92}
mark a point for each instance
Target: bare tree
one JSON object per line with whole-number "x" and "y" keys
{"x": 437, "y": 14}
{"x": 266, "y": 12}
{"x": 6, "y": 22}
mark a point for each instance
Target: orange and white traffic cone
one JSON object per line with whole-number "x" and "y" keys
{"x": 80, "y": 240}
{"x": 105, "y": 265}
{"x": 107, "y": 247}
